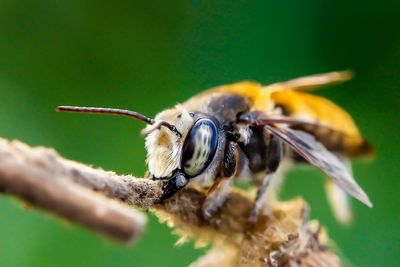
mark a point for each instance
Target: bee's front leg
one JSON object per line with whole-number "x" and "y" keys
{"x": 274, "y": 157}
{"x": 220, "y": 189}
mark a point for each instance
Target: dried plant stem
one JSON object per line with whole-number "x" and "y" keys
{"x": 101, "y": 200}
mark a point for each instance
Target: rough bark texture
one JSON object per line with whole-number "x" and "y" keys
{"x": 101, "y": 201}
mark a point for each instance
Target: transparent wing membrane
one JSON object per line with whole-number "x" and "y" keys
{"x": 314, "y": 81}
{"x": 316, "y": 154}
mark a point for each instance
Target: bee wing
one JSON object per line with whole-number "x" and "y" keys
{"x": 314, "y": 81}
{"x": 316, "y": 154}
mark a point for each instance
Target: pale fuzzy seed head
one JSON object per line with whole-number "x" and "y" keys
{"x": 164, "y": 148}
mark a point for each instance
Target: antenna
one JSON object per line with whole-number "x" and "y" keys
{"x": 120, "y": 112}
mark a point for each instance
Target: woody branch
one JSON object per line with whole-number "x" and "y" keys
{"x": 101, "y": 201}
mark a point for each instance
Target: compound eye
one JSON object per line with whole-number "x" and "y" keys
{"x": 199, "y": 147}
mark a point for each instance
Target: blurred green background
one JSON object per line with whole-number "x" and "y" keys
{"x": 148, "y": 55}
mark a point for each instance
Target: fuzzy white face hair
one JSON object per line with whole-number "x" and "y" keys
{"x": 164, "y": 148}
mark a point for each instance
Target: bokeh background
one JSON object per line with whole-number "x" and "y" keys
{"x": 148, "y": 55}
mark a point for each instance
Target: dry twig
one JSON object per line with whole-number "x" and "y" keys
{"x": 100, "y": 201}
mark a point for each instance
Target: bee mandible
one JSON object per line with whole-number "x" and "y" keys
{"x": 250, "y": 132}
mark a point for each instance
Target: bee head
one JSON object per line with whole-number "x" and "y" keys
{"x": 192, "y": 154}
{"x": 176, "y": 141}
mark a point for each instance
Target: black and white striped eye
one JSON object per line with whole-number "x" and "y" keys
{"x": 199, "y": 147}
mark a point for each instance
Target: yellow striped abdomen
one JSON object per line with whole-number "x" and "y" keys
{"x": 337, "y": 130}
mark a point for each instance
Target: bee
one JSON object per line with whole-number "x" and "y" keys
{"x": 250, "y": 132}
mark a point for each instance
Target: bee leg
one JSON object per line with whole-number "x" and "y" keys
{"x": 259, "y": 198}
{"x": 221, "y": 187}
{"x": 274, "y": 157}
{"x": 216, "y": 196}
